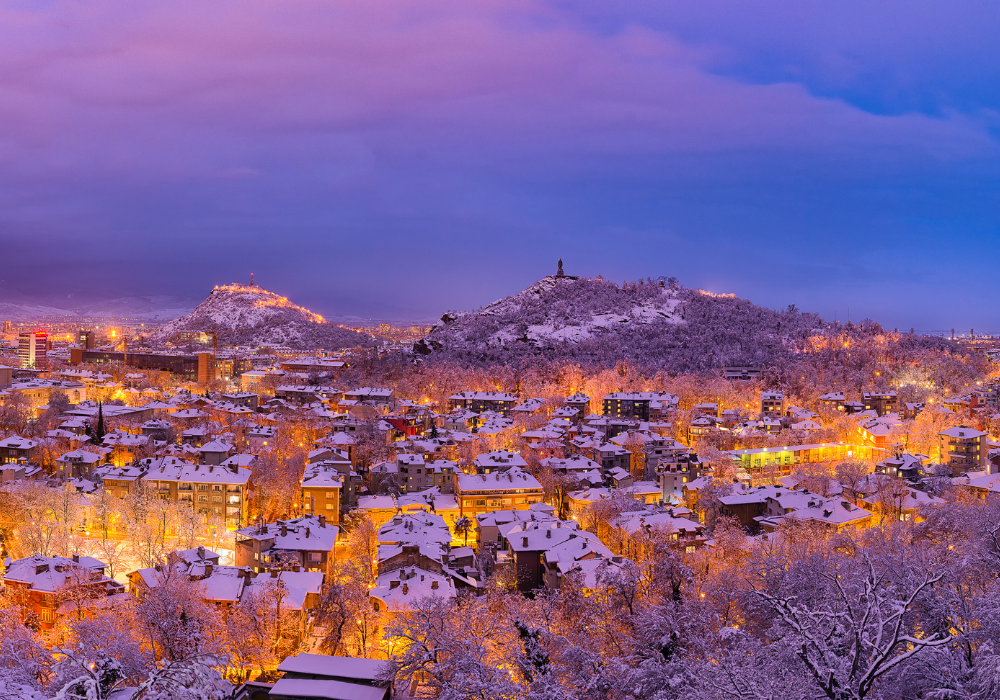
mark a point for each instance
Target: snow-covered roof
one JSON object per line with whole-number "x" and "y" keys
{"x": 400, "y": 588}
{"x": 157, "y": 470}
{"x": 500, "y": 459}
{"x": 82, "y": 456}
{"x": 958, "y": 432}
{"x": 513, "y": 479}
{"x": 306, "y": 533}
{"x": 333, "y": 666}
{"x": 377, "y": 503}
{"x": 482, "y": 396}
{"x": 49, "y": 574}
{"x": 415, "y": 528}
{"x": 19, "y": 443}
{"x": 639, "y": 396}
{"x": 296, "y": 585}
{"x": 215, "y": 446}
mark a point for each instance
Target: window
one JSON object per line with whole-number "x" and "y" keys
{"x": 329, "y": 506}
{"x": 315, "y": 556}
{"x": 202, "y": 499}
{"x": 331, "y": 494}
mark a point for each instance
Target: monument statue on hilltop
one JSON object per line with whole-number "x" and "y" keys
{"x": 560, "y": 273}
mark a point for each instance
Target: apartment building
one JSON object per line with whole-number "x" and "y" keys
{"x": 635, "y": 404}
{"x": 834, "y": 400}
{"x": 32, "y": 350}
{"x": 772, "y": 404}
{"x": 220, "y": 491}
{"x": 882, "y": 402}
{"x": 320, "y": 492}
{"x": 963, "y": 449}
{"x": 506, "y": 490}
{"x": 418, "y": 474}
{"x": 480, "y": 401}
{"x": 580, "y": 402}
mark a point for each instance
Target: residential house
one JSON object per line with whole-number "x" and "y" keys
{"x": 17, "y": 450}
{"x": 506, "y": 490}
{"x": 78, "y": 464}
{"x": 307, "y": 542}
{"x": 54, "y": 587}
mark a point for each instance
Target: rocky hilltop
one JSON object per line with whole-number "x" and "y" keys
{"x": 250, "y": 315}
{"x": 647, "y": 322}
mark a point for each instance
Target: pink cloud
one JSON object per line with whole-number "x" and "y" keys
{"x": 187, "y": 87}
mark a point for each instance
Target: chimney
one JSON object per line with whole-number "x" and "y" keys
{"x": 208, "y": 569}
{"x": 406, "y": 588}
{"x": 295, "y": 567}
{"x": 247, "y": 575}
{"x": 548, "y": 534}
{"x": 76, "y": 558}
{"x": 524, "y": 542}
{"x": 322, "y": 521}
{"x": 201, "y": 551}
{"x": 434, "y": 585}
{"x": 284, "y": 530}
{"x": 274, "y": 572}
{"x": 307, "y": 533}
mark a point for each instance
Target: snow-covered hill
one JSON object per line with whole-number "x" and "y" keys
{"x": 249, "y": 315}
{"x": 593, "y": 320}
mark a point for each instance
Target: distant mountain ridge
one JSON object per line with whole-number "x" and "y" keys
{"x": 251, "y": 315}
{"x": 151, "y": 309}
{"x": 596, "y": 321}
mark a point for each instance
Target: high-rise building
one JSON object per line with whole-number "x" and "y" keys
{"x": 32, "y": 349}
{"x": 6, "y": 327}
{"x": 85, "y": 339}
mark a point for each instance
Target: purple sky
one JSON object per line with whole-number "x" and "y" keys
{"x": 398, "y": 158}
